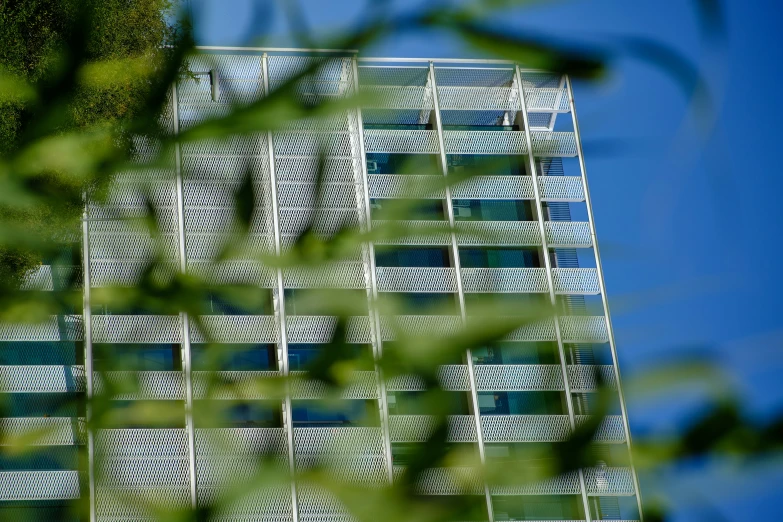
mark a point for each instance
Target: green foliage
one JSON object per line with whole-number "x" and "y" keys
{"x": 124, "y": 50}
{"x": 81, "y": 78}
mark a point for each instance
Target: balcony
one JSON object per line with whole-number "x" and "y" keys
{"x": 136, "y": 329}
{"x": 55, "y": 328}
{"x": 400, "y": 141}
{"x": 44, "y": 431}
{"x": 542, "y": 99}
{"x": 408, "y": 97}
{"x": 418, "y": 428}
{"x": 551, "y": 188}
{"x": 504, "y": 280}
{"x": 574, "y": 329}
{"x": 42, "y": 379}
{"x": 545, "y": 144}
{"x": 235, "y": 329}
{"x": 143, "y": 385}
{"x": 402, "y": 279}
{"x": 480, "y": 98}
{"x": 39, "y": 485}
{"x": 606, "y": 481}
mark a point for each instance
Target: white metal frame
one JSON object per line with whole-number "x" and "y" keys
{"x": 548, "y": 264}
{"x": 279, "y": 302}
{"x": 88, "y": 357}
{"x": 602, "y": 286}
{"x": 187, "y": 369}
{"x": 375, "y": 321}
{"x": 460, "y": 293}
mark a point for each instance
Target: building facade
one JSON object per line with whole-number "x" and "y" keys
{"x": 519, "y": 234}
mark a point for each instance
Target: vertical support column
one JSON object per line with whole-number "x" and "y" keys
{"x": 602, "y": 288}
{"x": 187, "y": 369}
{"x": 550, "y": 282}
{"x": 282, "y": 340}
{"x": 88, "y": 366}
{"x": 461, "y": 293}
{"x": 372, "y": 291}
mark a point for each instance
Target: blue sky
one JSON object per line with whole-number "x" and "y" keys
{"x": 687, "y": 220}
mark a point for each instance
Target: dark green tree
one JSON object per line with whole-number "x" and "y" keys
{"x": 122, "y": 46}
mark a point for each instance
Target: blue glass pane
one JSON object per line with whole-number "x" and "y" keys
{"x": 491, "y": 210}
{"x": 521, "y": 403}
{"x": 487, "y": 165}
{"x": 303, "y": 356}
{"x": 412, "y": 257}
{"x": 517, "y": 353}
{"x": 312, "y": 413}
{"x": 233, "y": 357}
{"x": 529, "y": 507}
{"x": 137, "y": 357}
{"x": 498, "y": 258}
{"x": 41, "y": 352}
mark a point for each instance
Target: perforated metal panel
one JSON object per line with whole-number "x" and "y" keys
{"x": 610, "y": 430}
{"x": 508, "y": 377}
{"x": 525, "y": 428}
{"x": 401, "y": 279}
{"x": 584, "y": 329}
{"x": 505, "y": 280}
{"x": 568, "y": 234}
{"x": 418, "y": 428}
{"x": 401, "y": 141}
{"x": 450, "y": 481}
{"x": 41, "y": 379}
{"x": 149, "y": 385}
{"x": 39, "y": 485}
{"x": 566, "y": 484}
{"x": 607, "y": 481}
{"x": 44, "y": 431}
{"x": 353, "y": 454}
{"x": 452, "y": 377}
{"x": 55, "y": 328}
{"x": 139, "y": 470}
{"x": 234, "y": 329}
{"x": 495, "y": 187}
{"x": 391, "y": 186}
{"x": 576, "y": 281}
{"x": 561, "y": 188}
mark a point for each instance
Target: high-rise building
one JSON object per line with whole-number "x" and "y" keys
{"x": 517, "y": 233}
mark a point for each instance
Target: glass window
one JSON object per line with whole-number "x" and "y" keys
{"x": 319, "y": 414}
{"x": 137, "y": 357}
{"x": 521, "y": 403}
{"x": 411, "y": 209}
{"x": 486, "y": 164}
{"x": 517, "y": 352}
{"x": 233, "y": 357}
{"x": 412, "y": 257}
{"x": 385, "y": 163}
{"x": 499, "y": 257}
{"x": 492, "y": 210}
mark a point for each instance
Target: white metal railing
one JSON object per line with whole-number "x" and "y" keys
{"x": 42, "y": 379}
{"x": 39, "y": 485}
{"x": 400, "y": 141}
{"x": 561, "y": 188}
{"x": 609, "y": 481}
{"x": 505, "y": 280}
{"x": 418, "y": 428}
{"x": 415, "y": 279}
{"x": 568, "y": 234}
{"x": 525, "y": 428}
{"x": 575, "y": 281}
